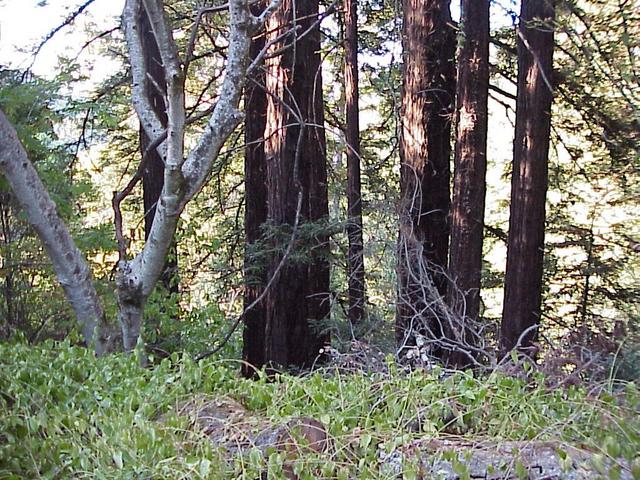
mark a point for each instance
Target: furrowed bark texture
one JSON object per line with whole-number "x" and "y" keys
{"x": 70, "y": 267}
{"x": 255, "y": 215}
{"x": 525, "y": 254}
{"x": 355, "y": 256}
{"x": 296, "y": 168}
{"x": 469, "y": 183}
{"x": 427, "y": 106}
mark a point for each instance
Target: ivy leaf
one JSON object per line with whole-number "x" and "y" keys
{"x": 117, "y": 459}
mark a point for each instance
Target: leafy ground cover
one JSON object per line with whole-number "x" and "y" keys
{"x": 66, "y": 414}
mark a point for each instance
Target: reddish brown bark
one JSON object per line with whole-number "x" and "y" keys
{"x": 355, "y": 256}
{"x": 255, "y": 216}
{"x": 425, "y": 148}
{"x": 298, "y": 297}
{"x": 525, "y": 254}
{"x": 469, "y": 181}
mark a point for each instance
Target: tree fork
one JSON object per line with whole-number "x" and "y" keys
{"x": 296, "y": 168}
{"x": 153, "y": 169}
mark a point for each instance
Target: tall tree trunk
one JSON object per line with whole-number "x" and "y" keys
{"x": 255, "y": 215}
{"x": 355, "y": 257}
{"x": 469, "y": 180}
{"x": 10, "y": 318}
{"x": 425, "y": 148}
{"x": 525, "y": 253}
{"x": 297, "y": 188}
{"x": 153, "y": 171}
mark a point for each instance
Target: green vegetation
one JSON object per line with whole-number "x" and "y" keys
{"x": 66, "y": 414}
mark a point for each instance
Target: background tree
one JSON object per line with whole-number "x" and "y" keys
{"x": 298, "y": 296}
{"x": 469, "y": 182}
{"x": 355, "y": 257}
{"x": 255, "y": 216}
{"x": 425, "y": 146}
{"x": 601, "y": 133}
{"x": 525, "y": 254}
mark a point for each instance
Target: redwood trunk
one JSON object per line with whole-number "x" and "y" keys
{"x": 355, "y": 258}
{"x": 255, "y": 216}
{"x": 523, "y": 280}
{"x": 296, "y": 169}
{"x": 425, "y": 148}
{"x": 469, "y": 181}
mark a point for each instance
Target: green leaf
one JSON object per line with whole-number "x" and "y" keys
{"x": 204, "y": 468}
{"x": 521, "y": 471}
{"x": 117, "y": 459}
{"x": 365, "y": 441}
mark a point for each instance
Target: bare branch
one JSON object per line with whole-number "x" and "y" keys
{"x": 225, "y": 116}
{"x": 262, "y": 55}
{"x": 71, "y": 268}
{"x": 118, "y": 197}
{"x": 258, "y": 21}
{"x": 67, "y": 21}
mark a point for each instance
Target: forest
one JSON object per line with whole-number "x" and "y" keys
{"x": 321, "y": 239}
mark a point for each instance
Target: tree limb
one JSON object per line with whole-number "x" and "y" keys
{"x": 70, "y": 267}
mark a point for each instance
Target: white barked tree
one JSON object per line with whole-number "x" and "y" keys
{"x": 185, "y": 173}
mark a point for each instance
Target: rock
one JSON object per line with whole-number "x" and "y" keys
{"x": 452, "y": 459}
{"x": 231, "y": 427}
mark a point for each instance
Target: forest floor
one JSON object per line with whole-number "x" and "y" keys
{"x": 66, "y": 414}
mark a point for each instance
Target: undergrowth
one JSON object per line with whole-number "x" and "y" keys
{"x": 66, "y": 414}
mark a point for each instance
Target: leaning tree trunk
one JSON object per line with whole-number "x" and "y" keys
{"x": 71, "y": 269}
{"x": 425, "y": 148}
{"x": 153, "y": 170}
{"x": 355, "y": 256}
{"x": 255, "y": 216}
{"x": 153, "y": 165}
{"x": 469, "y": 180}
{"x": 525, "y": 253}
{"x": 298, "y": 297}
